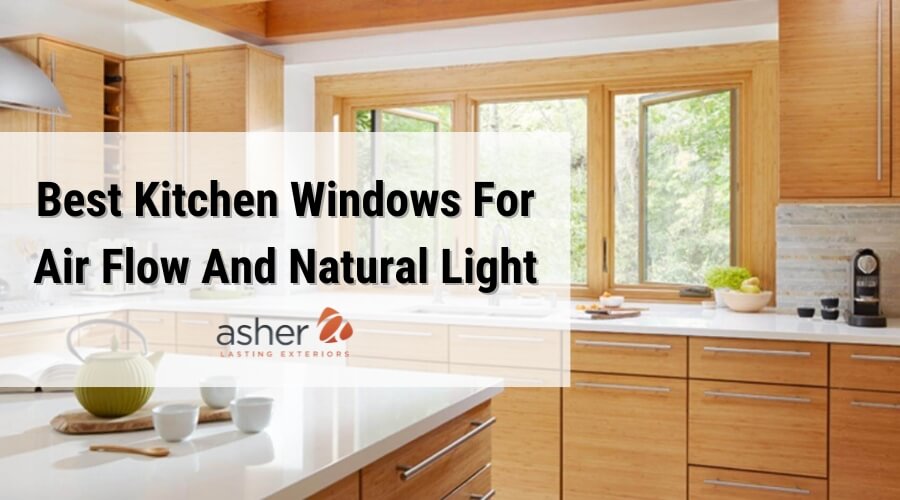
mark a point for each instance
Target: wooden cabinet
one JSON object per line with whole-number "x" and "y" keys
{"x": 521, "y": 347}
{"x": 707, "y": 483}
{"x": 624, "y": 437}
{"x": 158, "y": 327}
{"x": 835, "y": 110}
{"x": 100, "y": 335}
{"x": 865, "y": 367}
{"x": 407, "y": 341}
{"x": 231, "y": 89}
{"x": 768, "y": 361}
{"x": 77, "y": 74}
{"x": 759, "y": 427}
{"x": 434, "y": 465}
{"x": 199, "y": 330}
{"x": 865, "y": 445}
{"x": 345, "y": 489}
{"x": 48, "y": 335}
{"x": 477, "y": 487}
{"x": 629, "y": 354}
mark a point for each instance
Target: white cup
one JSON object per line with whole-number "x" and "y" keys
{"x": 217, "y": 392}
{"x": 251, "y": 414}
{"x": 174, "y": 422}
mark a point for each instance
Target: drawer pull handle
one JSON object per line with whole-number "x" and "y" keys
{"x": 622, "y": 387}
{"x": 147, "y": 320}
{"x": 873, "y": 357}
{"x": 869, "y": 404}
{"x": 758, "y": 352}
{"x": 407, "y": 472}
{"x": 753, "y": 486}
{"x": 758, "y": 397}
{"x": 487, "y": 496}
{"x": 195, "y": 321}
{"x": 623, "y": 345}
{"x": 500, "y": 338}
{"x": 396, "y": 333}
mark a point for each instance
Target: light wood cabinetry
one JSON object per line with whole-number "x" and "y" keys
{"x": 768, "y": 361}
{"x": 434, "y": 465}
{"x": 525, "y": 348}
{"x": 865, "y": 445}
{"x": 865, "y": 367}
{"x": 629, "y": 354}
{"x": 100, "y": 335}
{"x": 707, "y": 483}
{"x": 406, "y": 341}
{"x": 624, "y": 437}
{"x": 48, "y": 335}
{"x": 158, "y": 327}
{"x": 77, "y": 74}
{"x": 153, "y": 98}
{"x": 345, "y": 489}
{"x": 198, "y": 329}
{"x": 835, "y": 110}
{"x": 759, "y": 427}
{"x": 477, "y": 487}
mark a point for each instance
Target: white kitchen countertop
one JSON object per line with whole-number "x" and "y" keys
{"x": 665, "y": 319}
{"x": 318, "y": 436}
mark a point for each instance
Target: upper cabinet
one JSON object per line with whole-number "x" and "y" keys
{"x": 78, "y": 76}
{"x": 835, "y": 66}
{"x": 234, "y": 89}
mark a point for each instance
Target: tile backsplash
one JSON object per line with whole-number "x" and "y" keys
{"x": 816, "y": 243}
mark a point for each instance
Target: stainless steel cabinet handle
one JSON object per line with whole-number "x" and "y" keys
{"x": 869, "y": 404}
{"x": 185, "y": 115}
{"x": 487, "y": 496}
{"x": 147, "y": 320}
{"x": 409, "y": 472}
{"x": 758, "y": 352}
{"x": 500, "y": 338}
{"x": 758, "y": 397}
{"x": 195, "y": 321}
{"x": 397, "y": 333}
{"x": 879, "y": 46}
{"x": 172, "y": 77}
{"x": 622, "y": 387}
{"x": 53, "y": 81}
{"x": 753, "y": 486}
{"x": 623, "y": 345}
{"x": 873, "y": 357}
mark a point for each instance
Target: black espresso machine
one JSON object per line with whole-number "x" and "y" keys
{"x": 865, "y": 290}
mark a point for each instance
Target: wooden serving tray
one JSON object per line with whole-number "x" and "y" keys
{"x": 82, "y": 422}
{"x": 613, "y": 313}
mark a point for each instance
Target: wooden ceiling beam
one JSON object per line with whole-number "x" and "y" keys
{"x": 245, "y": 20}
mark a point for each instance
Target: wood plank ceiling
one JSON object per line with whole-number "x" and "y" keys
{"x": 281, "y": 21}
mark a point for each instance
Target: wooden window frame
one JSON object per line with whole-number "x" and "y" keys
{"x": 750, "y": 68}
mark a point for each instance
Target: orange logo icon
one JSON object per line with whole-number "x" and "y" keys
{"x": 332, "y": 326}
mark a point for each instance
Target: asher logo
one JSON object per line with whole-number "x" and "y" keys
{"x": 333, "y": 327}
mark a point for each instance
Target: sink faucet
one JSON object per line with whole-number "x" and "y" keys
{"x": 500, "y": 231}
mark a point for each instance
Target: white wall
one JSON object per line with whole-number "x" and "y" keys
{"x": 718, "y": 23}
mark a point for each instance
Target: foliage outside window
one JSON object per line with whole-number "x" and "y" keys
{"x": 673, "y": 186}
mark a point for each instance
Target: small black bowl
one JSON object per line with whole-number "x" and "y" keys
{"x": 830, "y": 314}
{"x": 806, "y": 312}
{"x": 830, "y": 302}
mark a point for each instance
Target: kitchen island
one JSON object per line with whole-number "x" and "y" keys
{"x": 319, "y": 436}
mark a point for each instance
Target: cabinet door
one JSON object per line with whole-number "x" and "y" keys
{"x": 624, "y": 437}
{"x": 831, "y": 56}
{"x": 216, "y": 85}
{"x": 78, "y": 76}
{"x": 153, "y": 94}
{"x": 865, "y": 445}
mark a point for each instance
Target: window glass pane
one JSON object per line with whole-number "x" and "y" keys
{"x": 404, "y": 162}
{"x": 672, "y": 186}
{"x": 551, "y": 115}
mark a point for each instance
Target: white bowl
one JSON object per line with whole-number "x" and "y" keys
{"x": 747, "y": 302}
{"x": 251, "y": 414}
{"x": 174, "y": 422}
{"x": 612, "y": 301}
{"x": 217, "y": 392}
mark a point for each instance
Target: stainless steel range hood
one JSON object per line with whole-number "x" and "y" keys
{"x": 25, "y": 87}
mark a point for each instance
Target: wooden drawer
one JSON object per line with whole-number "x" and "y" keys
{"x": 624, "y": 437}
{"x": 767, "y": 361}
{"x": 707, "y": 483}
{"x": 435, "y": 479}
{"x": 200, "y": 351}
{"x": 629, "y": 354}
{"x": 418, "y": 342}
{"x": 48, "y": 335}
{"x": 865, "y": 445}
{"x": 476, "y": 487}
{"x": 345, "y": 489}
{"x": 517, "y": 347}
{"x": 767, "y": 428}
{"x": 865, "y": 367}
{"x": 199, "y": 330}
{"x": 158, "y": 327}
{"x": 100, "y": 335}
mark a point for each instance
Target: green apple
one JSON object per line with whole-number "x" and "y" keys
{"x": 748, "y": 288}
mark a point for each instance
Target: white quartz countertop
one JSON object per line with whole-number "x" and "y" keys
{"x": 665, "y": 319}
{"x": 317, "y": 436}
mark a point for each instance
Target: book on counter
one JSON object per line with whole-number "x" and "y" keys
{"x": 37, "y": 373}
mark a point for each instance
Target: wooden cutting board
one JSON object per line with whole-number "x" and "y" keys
{"x": 82, "y": 422}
